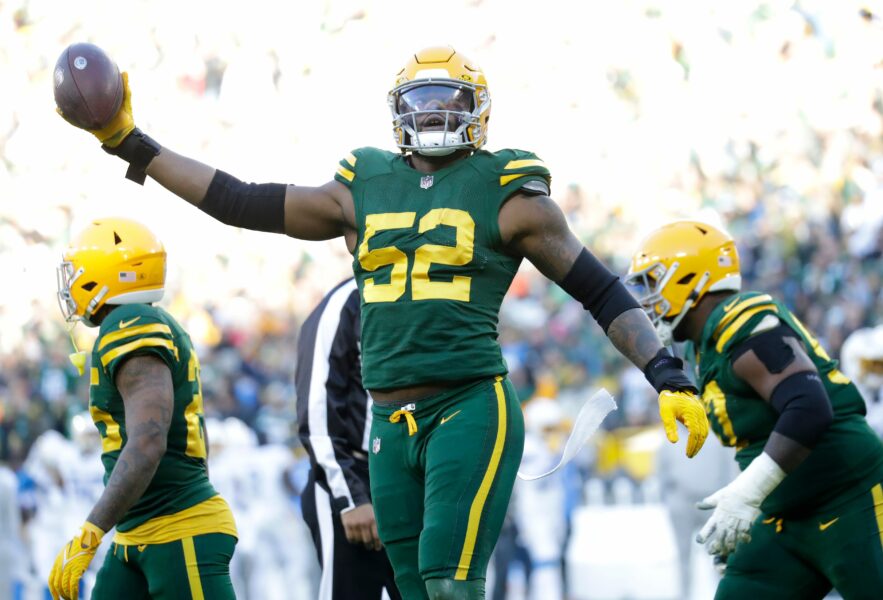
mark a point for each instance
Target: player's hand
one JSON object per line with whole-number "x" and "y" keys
{"x": 72, "y": 562}
{"x": 729, "y": 524}
{"x": 683, "y": 406}
{"x": 122, "y": 124}
{"x": 360, "y": 526}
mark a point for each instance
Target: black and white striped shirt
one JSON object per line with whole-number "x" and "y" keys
{"x": 333, "y": 409}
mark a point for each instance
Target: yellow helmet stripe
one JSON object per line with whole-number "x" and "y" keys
{"x": 504, "y": 179}
{"x": 121, "y": 334}
{"x": 142, "y": 343}
{"x": 524, "y": 163}
{"x": 346, "y": 173}
{"x": 351, "y": 159}
{"x": 731, "y": 312}
{"x": 738, "y": 323}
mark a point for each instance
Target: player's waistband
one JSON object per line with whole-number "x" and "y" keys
{"x": 431, "y": 401}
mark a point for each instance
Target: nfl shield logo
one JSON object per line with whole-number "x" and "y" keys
{"x": 375, "y": 445}
{"x": 426, "y": 182}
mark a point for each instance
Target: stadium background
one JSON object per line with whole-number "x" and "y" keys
{"x": 763, "y": 117}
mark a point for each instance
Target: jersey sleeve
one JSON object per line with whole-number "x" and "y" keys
{"x": 523, "y": 171}
{"x": 134, "y": 330}
{"x": 346, "y": 169}
{"x": 742, "y": 318}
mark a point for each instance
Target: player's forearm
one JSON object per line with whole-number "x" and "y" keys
{"x": 633, "y": 335}
{"x": 131, "y": 475}
{"x": 183, "y": 176}
{"x": 787, "y": 453}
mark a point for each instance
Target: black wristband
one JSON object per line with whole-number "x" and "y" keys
{"x": 138, "y": 149}
{"x": 666, "y": 372}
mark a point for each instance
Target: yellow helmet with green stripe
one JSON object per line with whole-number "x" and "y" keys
{"x": 440, "y": 103}
{"x": 112, "y": 261}
{"x": 676, "y": 265}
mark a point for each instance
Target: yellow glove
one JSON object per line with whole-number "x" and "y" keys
{"x": 683, "y": 406}
{"x": 120, "y": 126}
{"x": 72, "y": 562}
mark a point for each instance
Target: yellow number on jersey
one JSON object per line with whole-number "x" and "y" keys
{"x": 422, "y": 288}
{"x": 193, "y": 412}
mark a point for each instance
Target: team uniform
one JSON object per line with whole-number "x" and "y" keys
{"x": 432, "y": 275}
{"x": 176, "y": 541}
{"x": 823, "y": 524}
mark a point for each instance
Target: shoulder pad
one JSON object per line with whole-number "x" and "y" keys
{"x": 362, "y": 163}
{"x": 134, "y": 327}
{"x": 740, "y": 317}
{"x": 516, "y": 164}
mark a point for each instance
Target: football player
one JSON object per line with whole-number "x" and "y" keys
{"x": 806, "y": 512}
{"x": 174, "y": 534}
{"x": 437, "y": 232}
{"x": 862, "y": 360}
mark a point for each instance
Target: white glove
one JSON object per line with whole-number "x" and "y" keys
{"x": 737, "y": 505}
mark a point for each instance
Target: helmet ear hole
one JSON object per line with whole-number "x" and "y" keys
{"x": 686, "y": 279}
{"x": 116, "y": 238}
{"x": 89, "y": 286}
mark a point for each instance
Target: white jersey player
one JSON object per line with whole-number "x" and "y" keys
{"x": 861, "y": 359}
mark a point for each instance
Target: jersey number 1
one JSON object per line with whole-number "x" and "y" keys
{"x": 422, "y": 288}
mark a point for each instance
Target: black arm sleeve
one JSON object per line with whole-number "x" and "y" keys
{"x": 804, "y": 408}
{"x": 257, "y": 206}
{"x": 597, "y": 289}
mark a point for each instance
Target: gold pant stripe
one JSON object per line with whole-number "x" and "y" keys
{"x": 192, "y": 569}
{"x": 479, "y": 500}
{"x": 877, "y": 493}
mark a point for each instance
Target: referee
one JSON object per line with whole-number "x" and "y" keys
{"x": 334, "y": 420}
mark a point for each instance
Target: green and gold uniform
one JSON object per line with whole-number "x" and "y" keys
{"x": 823, "y": 524}
{"x": 176, "y": 541}
{"x": 432, "y": 274}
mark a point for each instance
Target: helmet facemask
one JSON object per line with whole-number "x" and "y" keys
{"x": 652, "y": 287}
{"x": 438, "y": 116}
{"x": 67, "y": 277}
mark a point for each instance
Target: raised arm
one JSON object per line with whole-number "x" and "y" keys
{"x": 310, "y": 213}
{"x": 533, "y": 226}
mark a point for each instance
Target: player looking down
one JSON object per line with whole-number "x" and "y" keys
{"x": 806, "y": 513}
{"x": 174, "y": 534}
{"x": 437, "y": 232}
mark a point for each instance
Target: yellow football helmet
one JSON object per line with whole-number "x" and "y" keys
{"x": 112, "y": 261}
{"x": 440, "y": 103}
{"x": 676, "y": 266}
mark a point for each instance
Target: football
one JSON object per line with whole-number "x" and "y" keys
{"x": 88, "y": 86}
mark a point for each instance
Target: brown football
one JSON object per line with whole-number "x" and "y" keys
{"x": 88, "y": 86}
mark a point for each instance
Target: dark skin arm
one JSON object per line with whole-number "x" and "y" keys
{"x": 145, "y": 383}
{"x": 311, "y": 213}
{"x": 535, "y": 227}
{"x": 787, "y": 453}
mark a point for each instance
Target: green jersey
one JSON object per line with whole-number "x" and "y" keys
{"x": 429, "y": 262}
{"x": 849, "y": 454}
{"x": 181, "y": 480}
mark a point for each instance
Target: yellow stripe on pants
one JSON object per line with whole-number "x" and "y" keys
{"x": 877, "y": 493}
{"x": 480, "y": 497}
{"x": 192, "y": 569}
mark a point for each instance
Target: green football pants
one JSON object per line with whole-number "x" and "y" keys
{"x": 193, "y": 568}
{"x": 442, "y": 471}
{"x": 802, "y": 559}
